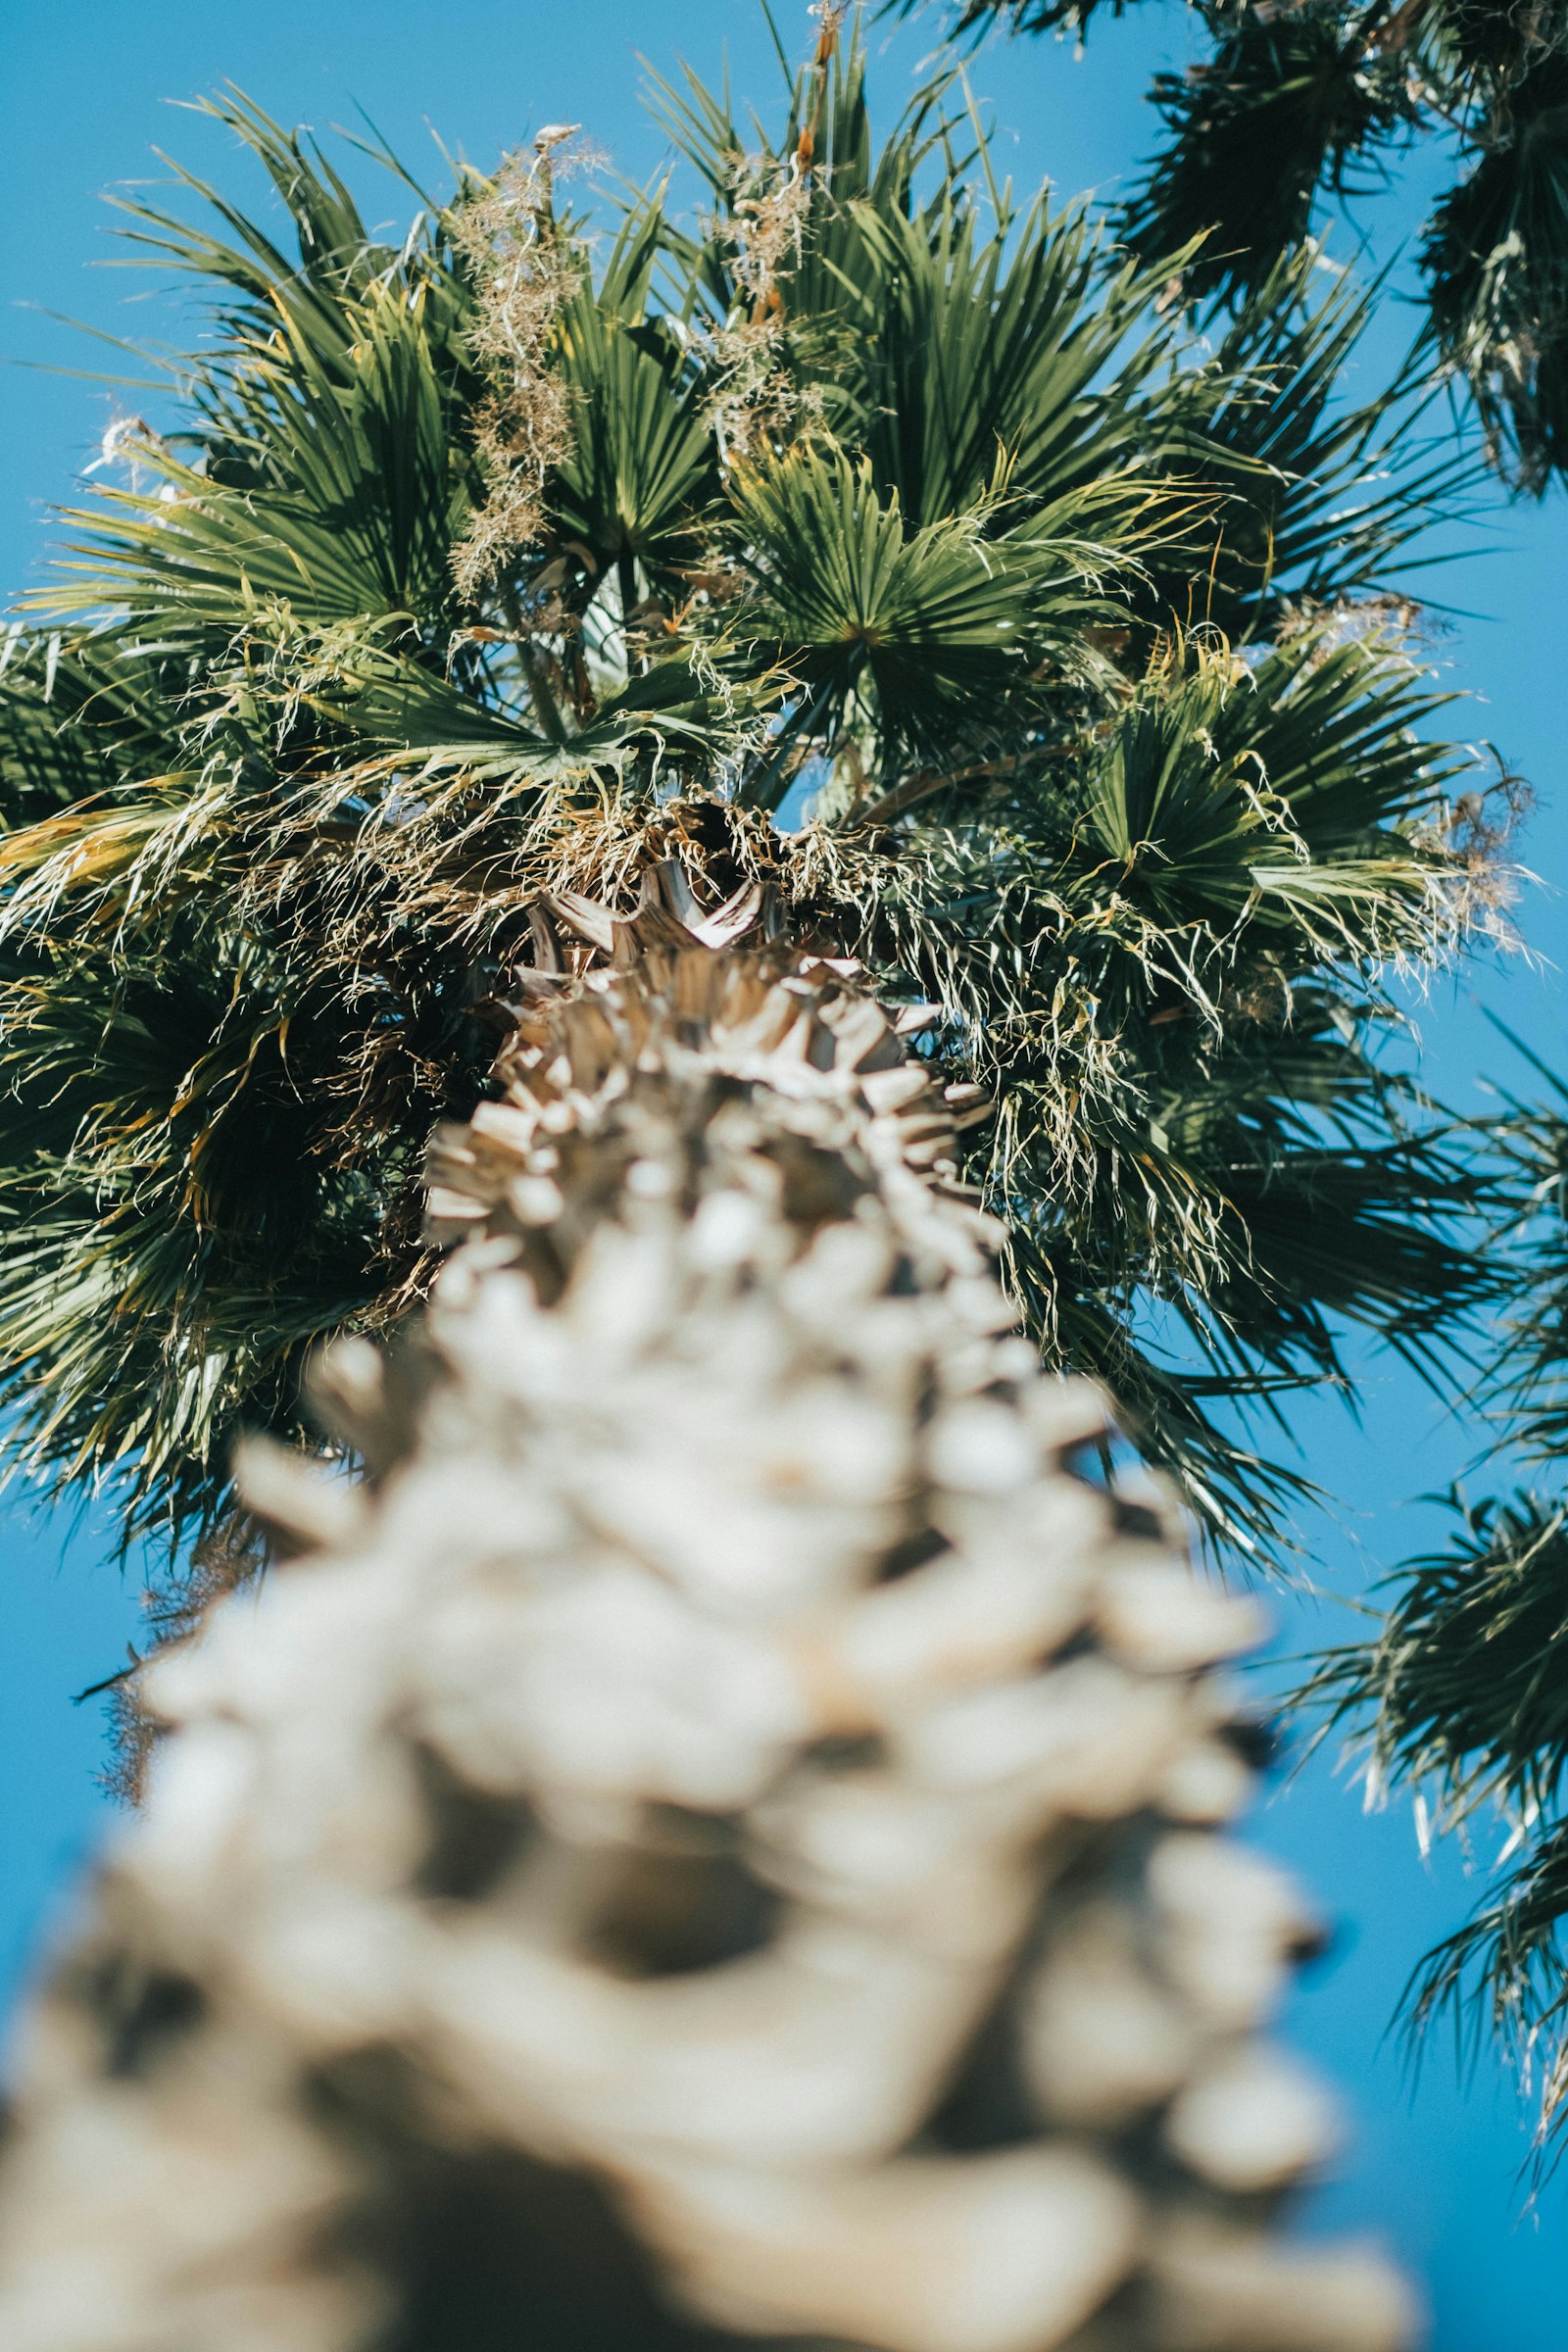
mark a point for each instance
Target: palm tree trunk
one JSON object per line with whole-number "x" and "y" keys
{"x": 720, "y": 1833}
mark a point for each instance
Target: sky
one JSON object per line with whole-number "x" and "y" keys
{"x": 1432, "y": 2166}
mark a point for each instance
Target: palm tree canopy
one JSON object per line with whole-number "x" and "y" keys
{"x": 874, "y": 539}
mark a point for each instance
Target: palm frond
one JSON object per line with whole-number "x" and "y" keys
{"x": 1495, "y": 259}
{"x": 1465, "y": 1689}
{"x": 1292, "y": 99}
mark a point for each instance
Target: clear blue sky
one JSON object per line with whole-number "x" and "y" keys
{"x": 1435, "y": 2171}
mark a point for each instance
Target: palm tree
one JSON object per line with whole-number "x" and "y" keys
{"x": 879, "y": 544}
{"x": 598, "y": 705}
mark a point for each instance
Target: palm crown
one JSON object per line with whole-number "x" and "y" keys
{"x": 881, "y": 547}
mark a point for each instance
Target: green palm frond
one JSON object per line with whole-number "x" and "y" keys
{"x": 1315, "y": 498}
{"x": 82, "y": 709}
{"x": 175, "y": 1243}
{"x": 1460, "y": 1697}
{"x": 906, "y": 633}
{"x": 1289, "y": 102}
{"x": 338, "y": 498}
{"x": 334, "y": 263}
{"x": 1268, "y": 792}
{"x": 1147, "y": 958}
{"x": 976, "y": 349}
{"x": 642, "y": 476}
{"x": 1203, "y": 1118}
{"x": 1023, "y": 15}
{"x": 1465, "y": 1687}
{"x": 1298, "y": 107}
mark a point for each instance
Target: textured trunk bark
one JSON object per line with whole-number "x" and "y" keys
{"x": 722, "y": 1836}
